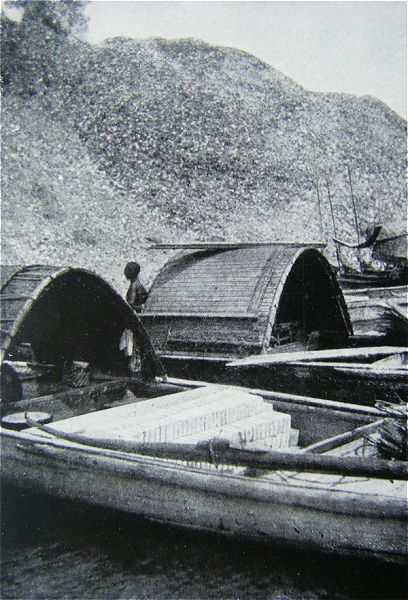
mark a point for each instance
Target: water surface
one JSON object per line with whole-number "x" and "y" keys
{"x": 54, "y": 549}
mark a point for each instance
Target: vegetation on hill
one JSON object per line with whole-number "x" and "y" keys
{"x": 106, "y": 148}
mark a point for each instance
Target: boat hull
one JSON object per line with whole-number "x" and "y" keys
{"x": 303, "y": 379}
{"x": 313, "y": 511}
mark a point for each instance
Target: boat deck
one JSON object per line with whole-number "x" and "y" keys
{"x": 242, "y": 418}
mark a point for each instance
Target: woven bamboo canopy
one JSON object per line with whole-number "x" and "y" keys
{"x": 231, "y": 301}
{"x": 55, "y": 314}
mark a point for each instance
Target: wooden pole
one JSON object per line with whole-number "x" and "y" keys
{"x": 339, "y": 262}
{"x": 218, "y": 451}
{"x": 354, "y": 206}
{"x": 233, "y": 245}
{"x": 319, "y": 205}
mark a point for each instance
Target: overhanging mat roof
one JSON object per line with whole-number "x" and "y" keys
{"x": 67, "y": 314}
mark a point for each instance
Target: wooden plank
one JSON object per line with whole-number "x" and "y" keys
{"x": 29, "y": 277}
{"x": 209, "y": 315}
{"x": 343, "y": 438}
{"x": 198, "y": 414}
{"x": 287, "y": 357}
{"x": 399, "y": 308}
{"x": 205, "y": 341}
{"x": 309, "y": 401}
{"x": 380, "y": 374}
{"x": 393, "y": 361}
{"x": 232, "y": 245}
{"x": 350, "y": 366}
{"x": 378, "y": 291}
{"x": 11, "y": 298}
{"x": 203, "y": 357}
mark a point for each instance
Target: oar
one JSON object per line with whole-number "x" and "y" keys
{"x": 218, "y": 451}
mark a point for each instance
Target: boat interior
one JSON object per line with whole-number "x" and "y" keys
{"x": 130, "y": 408}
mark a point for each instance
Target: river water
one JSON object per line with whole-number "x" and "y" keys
{"x": 54, "y": 549}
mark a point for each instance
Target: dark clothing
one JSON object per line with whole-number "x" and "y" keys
{"x": 136, "y": 295}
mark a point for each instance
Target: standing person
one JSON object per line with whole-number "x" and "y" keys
{"x": 137, "y": 294}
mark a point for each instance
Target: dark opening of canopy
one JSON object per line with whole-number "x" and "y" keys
{"x": 309, "y": 308}
{"x": 70, "y": 315}
{"x": 74, "y": 319}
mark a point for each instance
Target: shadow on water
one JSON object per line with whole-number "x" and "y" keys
{"x": 59, "y": 549}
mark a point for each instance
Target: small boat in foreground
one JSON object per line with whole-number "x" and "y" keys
{"x": 332, "y": 491}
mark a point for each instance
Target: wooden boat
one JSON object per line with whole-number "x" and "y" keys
{"x": 332, "y": 493}
{"x": 379, "y": 313}
{"x": 366, "y": 374}
{"x": 135, "y": 442}
{"x": 55, "y": 315}
{"x": 388, "y": 248}
{"x": 214, "y": 302}
{"x": 379, "y": 260}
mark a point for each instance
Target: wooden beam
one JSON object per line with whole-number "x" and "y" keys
{"x": 272, "y": 396}
{"x": 184, "y": 315}
{"x": 176, "y": 355}
{"x": 219, "y": 452}
{"x": 232, "y": 245}
{"x": 11, "y": 298}
{"x": 312, "y": 355}
{"x": 399, "y": 290}
{"x": 375, "y": 367}
{"x": 343, "y": 438}
{"x": 89, "y": 392}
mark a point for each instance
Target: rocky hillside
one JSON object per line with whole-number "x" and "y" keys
{"x": 181, "y": 141}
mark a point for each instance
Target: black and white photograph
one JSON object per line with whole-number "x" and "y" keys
{"x": 204, "y": 300}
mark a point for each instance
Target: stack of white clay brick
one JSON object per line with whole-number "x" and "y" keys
{"x": 245, "y": 419}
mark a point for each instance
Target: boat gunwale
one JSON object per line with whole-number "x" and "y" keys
{"x": 187, "y": 476}
{"x": 282, "y": 397}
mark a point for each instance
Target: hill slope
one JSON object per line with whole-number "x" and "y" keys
{"x": 181, "y": 141}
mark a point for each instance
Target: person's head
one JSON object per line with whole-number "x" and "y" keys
{"x": 132, "y": 270}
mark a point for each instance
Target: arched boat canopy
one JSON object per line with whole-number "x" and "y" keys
{"x": 56, "y": 314}
{"x": 243, "y": 300}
